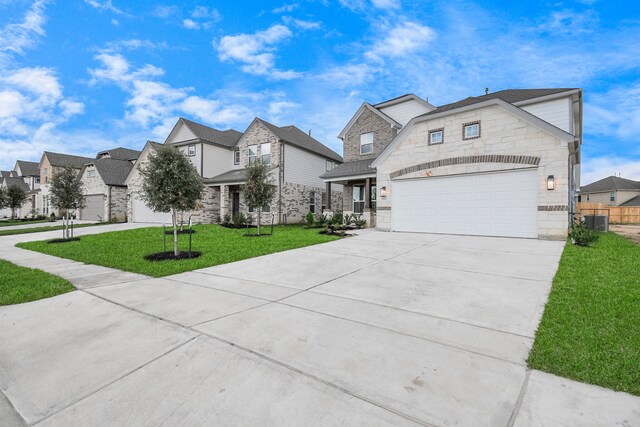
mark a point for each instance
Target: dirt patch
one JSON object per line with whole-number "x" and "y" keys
{"x": 631, "y": 232}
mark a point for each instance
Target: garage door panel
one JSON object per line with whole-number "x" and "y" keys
{"x": 142, "y": 213}
{"x": 494, "y": 204}
{"x": 94, "y": 208}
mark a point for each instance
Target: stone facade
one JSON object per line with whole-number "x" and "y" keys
{"x": 296, "y": 201}
{"x": 118, "y": 206}
{"x": 503, "y": 134}
{"x": 383, "y": 134}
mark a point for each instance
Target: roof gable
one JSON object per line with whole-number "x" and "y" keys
{"x": 363, "y": 107}
{"x": 187, "y": 130}
{"x": 63, "y": 160}
{"x": 119, "y": 153}
{"x": 24, "y": 168}
{"x": 150, "y": 146}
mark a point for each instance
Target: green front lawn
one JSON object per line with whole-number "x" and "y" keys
{"x": 21, "y": 284}
{"x": 590, "y": 330}
{"x": 41, "y": 229}
{"x": 20, "y": 222}
{"x": 125, "y": 250}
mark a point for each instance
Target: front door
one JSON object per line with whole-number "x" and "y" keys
{"x": 235, "y": 203}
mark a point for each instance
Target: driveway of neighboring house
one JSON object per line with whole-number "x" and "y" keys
{"x": 378, "y": 329}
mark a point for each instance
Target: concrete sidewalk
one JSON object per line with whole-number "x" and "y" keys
{"x": 379, "y": 329}
{"x": 43, "y": 224}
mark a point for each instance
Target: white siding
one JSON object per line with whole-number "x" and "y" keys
{"x": 302, "y": 167}
{"x": 217, "y": 160}
{"x": 180, "y": 133}
{"x": 405, "y": 111}
{"x": 557, "y": 112}
{"x": 195, "y": 160}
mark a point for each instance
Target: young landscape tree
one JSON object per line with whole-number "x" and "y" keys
{"x": 15, "y": 197}
{"x": 258, "y": 188}
{"x": 171, "y": 183}
{"x": 66, "y": 194}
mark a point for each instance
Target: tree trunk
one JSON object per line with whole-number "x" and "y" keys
{"x": 259, "y": 218}
{"x": 65, "y": 225}
{"x": 174, "y": 216}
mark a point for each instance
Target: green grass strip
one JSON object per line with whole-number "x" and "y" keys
{"x": 21, "y": 284}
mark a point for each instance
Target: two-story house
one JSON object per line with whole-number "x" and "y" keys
{"x": 294, "y": 157}
{"x": 49, "y": 164}
{"x": 105, "y": 191}
{"x": 30, "y": 173}
{"x": 11, "y": 179}
{"x": 502, "y": 164}
{"x": 365, "y": 136}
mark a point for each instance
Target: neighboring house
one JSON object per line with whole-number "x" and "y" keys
{"x": 612, "y": 191}
{"x": 503, "y": 164}
{"x": 9, "y": 179}
{"x": 30, "y": 173}
{"x": 49, "y": 164}
{"x": 295, "y": 158}
{"x": 369, "y": 131}
{"x": 105, "y": 190}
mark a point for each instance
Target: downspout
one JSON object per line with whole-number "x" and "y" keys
{"x": 281, "y": 179}
{"x": 202, "y": 159}
{"x": 109, "y": 206}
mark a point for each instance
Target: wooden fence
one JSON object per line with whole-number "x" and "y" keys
{"x": 617, "y": 214}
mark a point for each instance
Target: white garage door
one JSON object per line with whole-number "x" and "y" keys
{"x": 94, "y": 208}
{"x": 490, "y": 204}
{"x": 141, "y": 213}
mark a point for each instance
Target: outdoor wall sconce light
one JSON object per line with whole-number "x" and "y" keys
{"x": 550, "y": 182}
{"x": 383, "y": 192}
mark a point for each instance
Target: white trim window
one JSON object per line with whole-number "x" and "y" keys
{"x": 252, "y": 153}
{"x": 91, "y": 173}
{"x": 191, "y": 150}
{"x": 471, "y": 130}
{"x": 612, "y": 196}
{"x": 358, "y": 198}
{"x": 436, "y": 136}
{"x": 366, "y": 143}
{"x": 236, "y": 157}
{"x": 265, "y": 153}
{"x": 312, "y": 202}
{"x": 329, "y": 165}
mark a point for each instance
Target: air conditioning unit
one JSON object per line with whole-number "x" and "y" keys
{"x": 597, "y": 222}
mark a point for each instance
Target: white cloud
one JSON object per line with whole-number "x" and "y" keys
{"x": 201, "y": 17}
{"x": 401, "y": 40}
{"x": 286, "y": 8}
{"x": 165, "y": 11}
{"x": 615, "y": 112}
{"x": 190, "y": 24}
{"x": 602, "y": 167}
{"x": 255, "y": 51}
{"x": 570, "y": 22}
{"x": 106, "y": 5}
{"x": 302, "y": 24}
{"x": 348, "y": 75}
{"x": 133, "y": 44}
{"x": 116, "y": 68}
{"x": 15, "y": 38}
{"x": 386, "y": 4}
{"x": 39, "y": 81}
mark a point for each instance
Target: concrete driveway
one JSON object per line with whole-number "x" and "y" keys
{"x": 378, "y": 329}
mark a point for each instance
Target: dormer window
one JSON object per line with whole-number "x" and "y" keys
{"x": 236, "y": 157}
{"x": 366, "y": 143}
{"x": 436, "y": 136}
{"x": 471, "y": 130}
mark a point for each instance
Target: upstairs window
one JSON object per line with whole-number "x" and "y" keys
{"x": 37, "y": 180}
{"x": 252, "y": 154}
{"x": 471, "y": 130}
{"x": 236, "y": 157}
{"x": 366, "y": 143}
{"x": 265, "y": 153}
{"x": 436, "y": 136}
{"x": 46, "y": 175}
{"x": 612, "y": 196}
{"x": 91, "y": 173}
{"x": 329, "y": 165}
{"x": 191, "y": 150}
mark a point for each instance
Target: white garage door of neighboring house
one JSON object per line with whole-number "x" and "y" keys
{"x": 489, "y": 204}
{"x": 141, "y": 213}
{"x": 94, "y": 208}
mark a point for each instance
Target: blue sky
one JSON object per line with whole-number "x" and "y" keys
{"x": 86, "y": 75}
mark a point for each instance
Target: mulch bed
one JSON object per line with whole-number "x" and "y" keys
{"x": 72, "y": 239}
{"x": 164, "y": 256}
{"x": 170, "y": 232}
{"x": 236, "y": 226}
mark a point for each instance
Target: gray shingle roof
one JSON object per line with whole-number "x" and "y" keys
{"x": 610, "y": 183}
{"x": 227, "y": 138}
{"x": 359, "y": 167}
{"x": 5, "y": 174}
{"x": 234, "y": 175}
{"x": 120, "y": 153}
{"x": 62, "y": 160}
{"x": 11, "y": 181}
{"x": 510, "y": 95}
{"x": 28, "y": 168}
{"x": 295, "y": 136}
{"x": 113, "y": 171}
{"x": 632, "y": 202}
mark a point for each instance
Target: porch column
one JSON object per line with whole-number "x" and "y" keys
{"x": 367, "y": 196}
{"x": 328, "y": 196}
{"x": 224, "y": 201}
